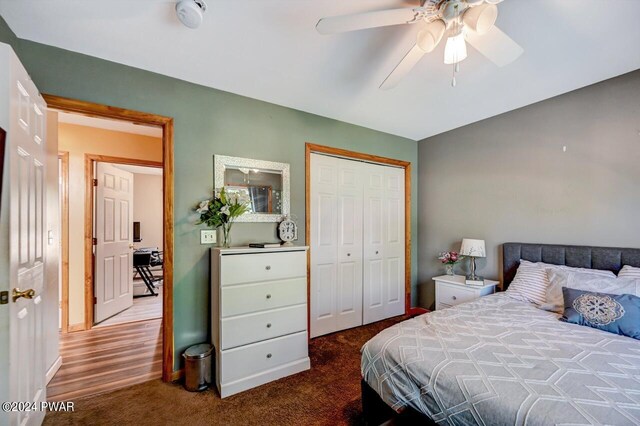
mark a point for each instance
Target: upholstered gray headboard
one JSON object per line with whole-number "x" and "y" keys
{"x": 609, "y": 258}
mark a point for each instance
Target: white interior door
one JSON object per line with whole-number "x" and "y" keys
{"x": 324, "y": 244}
{"x": 374, "y": 230}
{"x": 357, "y": 243}
{"x": 384, "y": 243}
{"x": 27, "y": 159}
{"x": 394, "y": 242}
{"x": 113, "y": 277}
{"x": 349, "y": 253}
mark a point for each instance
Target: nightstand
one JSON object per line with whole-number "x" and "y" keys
{"x": 451, "y": 290}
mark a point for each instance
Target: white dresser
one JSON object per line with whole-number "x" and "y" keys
{"x": 259, "y": 315}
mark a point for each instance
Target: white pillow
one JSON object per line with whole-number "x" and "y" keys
{"x": 600, "y": 272}
{"x": 629, "y": 272}
{"x": 587, "y": 282}
{"x": 530, "y": 283}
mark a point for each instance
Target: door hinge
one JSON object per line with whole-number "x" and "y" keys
{"x": 94, "y": 241}
{"x": 4, "y": 297}
{"x": 95, "y": 300}
{"x": 95, "y": 182}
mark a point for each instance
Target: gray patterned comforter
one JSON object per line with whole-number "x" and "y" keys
{"x": 497, "y": 361}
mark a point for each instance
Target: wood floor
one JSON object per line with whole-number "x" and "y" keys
{"x": 107, "y": 358}
{"x": 143, "y": 308}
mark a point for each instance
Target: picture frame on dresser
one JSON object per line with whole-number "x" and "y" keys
{"x": 259, "y": 315}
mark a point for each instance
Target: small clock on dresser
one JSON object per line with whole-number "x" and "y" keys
{"x": 288, "y": 231}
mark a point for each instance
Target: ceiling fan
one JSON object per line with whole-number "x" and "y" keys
{"x": 462, "y": 21}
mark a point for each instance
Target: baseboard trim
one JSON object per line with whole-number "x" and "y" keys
{"x": 54, "y": 369}
{"x": 177, "y": 375}
{"x": 76, "y": 327}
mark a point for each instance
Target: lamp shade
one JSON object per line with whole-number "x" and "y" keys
{"x": 473, "y": 248}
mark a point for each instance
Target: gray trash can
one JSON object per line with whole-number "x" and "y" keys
{"x": 197, "y": 367}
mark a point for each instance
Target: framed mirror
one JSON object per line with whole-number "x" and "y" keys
{"x": 265, "y": 183}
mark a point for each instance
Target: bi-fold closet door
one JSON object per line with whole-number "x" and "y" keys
{"x": 357, "y": 243}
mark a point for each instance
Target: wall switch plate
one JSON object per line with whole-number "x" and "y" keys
{"x": 208, "y": 236}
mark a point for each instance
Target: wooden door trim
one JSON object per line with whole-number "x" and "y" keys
{"x": 166, "y": 123}
{"x": 63, "y": 156}
{"x": 339, "y": 152}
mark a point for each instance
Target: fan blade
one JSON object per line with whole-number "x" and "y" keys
{"x": 360, "y": 21}
{"x": 496, "y": 46}
{"x": 403, "y": 68}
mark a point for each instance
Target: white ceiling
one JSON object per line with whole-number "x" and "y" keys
{"x": 269, "y": 50}
{"x": 104, "y": 123}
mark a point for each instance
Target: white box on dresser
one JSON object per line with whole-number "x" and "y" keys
{"x": 451, "y": 290}
{"x": 259, "y": 315}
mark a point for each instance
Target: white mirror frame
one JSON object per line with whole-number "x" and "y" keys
{"x": 220, "y": 162}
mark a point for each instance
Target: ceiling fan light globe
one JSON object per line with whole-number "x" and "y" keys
{"x": 455, "y": 50}
{"x": 481, "y": 18}
{"x": 431, "y": 35}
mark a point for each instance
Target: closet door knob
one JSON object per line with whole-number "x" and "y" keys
{"x": 268, "y": 268}
{"x": 376, "y": 251}
{"x": 269, "y": 355}
{"x": 268, "y": 296}
{"x": 269, "y": 325}
{"x": 348, "y": 254}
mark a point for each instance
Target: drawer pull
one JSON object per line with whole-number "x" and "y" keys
{"x": 454, "y": 298}
{"x": 269, "y": 355}
{"x": 269, "y": 325}
{"x": 268, "y": 296}
{"x": 268, "y": 268}
{"x": 376, "y": 251}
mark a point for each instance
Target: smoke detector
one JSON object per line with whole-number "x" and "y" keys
{"x": 190, "y": 12}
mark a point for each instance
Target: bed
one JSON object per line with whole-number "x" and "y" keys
{"x": 497, "y": 361}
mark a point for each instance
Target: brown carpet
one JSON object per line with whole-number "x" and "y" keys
{"x": 328, "y": 394}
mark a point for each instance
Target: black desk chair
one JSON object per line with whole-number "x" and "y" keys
{"x": 143, "y": 260}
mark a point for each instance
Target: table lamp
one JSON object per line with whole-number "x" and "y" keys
{"x": 473, "y": 248}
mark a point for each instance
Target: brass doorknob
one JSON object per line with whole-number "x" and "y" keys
{"x": 27, "y": 294}
{"x": 132, "y": 247}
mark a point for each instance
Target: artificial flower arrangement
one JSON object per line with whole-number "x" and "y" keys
{"x": 449, "y": 258}
{"x": 221, "y": 210}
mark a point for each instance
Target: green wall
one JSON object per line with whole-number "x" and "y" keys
{"x": 207, "y": 122}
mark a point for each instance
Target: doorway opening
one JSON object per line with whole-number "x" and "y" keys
{"x": 117, "y": 230}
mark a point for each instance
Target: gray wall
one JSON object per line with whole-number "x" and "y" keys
{"x": 507, "y": 178}
{"x": 207, "y": 122}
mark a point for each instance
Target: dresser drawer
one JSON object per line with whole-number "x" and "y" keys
{"x": 247, "y": 298}
{"x": 245, "y": 329}
{"x": 252, "y": 359}
{"x": 256, "y": 267}
{"x": 450, "y": 295}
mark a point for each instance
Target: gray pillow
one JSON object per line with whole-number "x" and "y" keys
{"x": 614, "y": 313}
{"x": 588, "y": 282}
